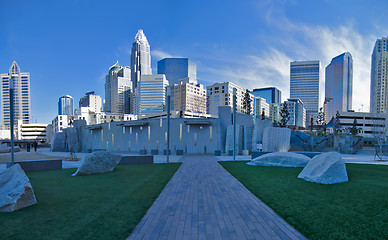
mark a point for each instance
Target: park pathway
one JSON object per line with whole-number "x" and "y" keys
{"x": 203, "y": 201}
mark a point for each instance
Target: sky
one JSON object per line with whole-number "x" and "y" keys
{"x": 68, "y": 46}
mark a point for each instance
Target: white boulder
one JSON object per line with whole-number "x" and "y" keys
{"x": 325, "y": 168}
{"x": 281, "y": 159}
{"x": 15, "y": 190}
{"x": 97, "y": 162}
{"x": 276, "y": 139}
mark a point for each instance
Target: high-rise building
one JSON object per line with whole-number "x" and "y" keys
{"x": 151, "y": 93}
{"x": 176, "y": 69}
{"x": 92, "y": 101}
{"x": 66, "y": 105}
{"x": 140, "y": 58}
{"x": 297, "y": 112}
{"x": 270, "y": 94}
{"x": 379, "y": 77}
{"x": 22, "y": 103}
{"x": 260, "y": 105}
{"x": 305, "y": 80}
{"x": 221, "y": 94}
{"x": 118, "y": 90}
{"x": 189, "y": 96}
{"x": 338, "y": 85}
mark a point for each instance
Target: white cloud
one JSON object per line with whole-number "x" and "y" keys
{"x": 159, "y": 54}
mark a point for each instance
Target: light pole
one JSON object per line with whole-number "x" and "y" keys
{"x": 168, "y": 126}
{"x": 11, "y": 118}
{"x": 234, "y": 124}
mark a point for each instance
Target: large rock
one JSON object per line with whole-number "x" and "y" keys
{"x": 276, "y": 139}
{"x": 4, "y": 148}
{"x": 326, "y": 168}
{"x": 239, "y": 138}
{"x": 97, "y": 162}
{"x": 281, "y": 159}
{"x": 15, "y": 190}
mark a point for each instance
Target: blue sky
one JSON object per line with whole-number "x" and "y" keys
{"x": 68, "y": 46}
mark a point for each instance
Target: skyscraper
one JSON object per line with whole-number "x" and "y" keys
{"x": 151, "y": 94}
{"x": 338, "y": 85}
{"x": 140, "y": 58}
{"x": 92, "y": 101}
{"x": 270, "y": 94}
{"x": 379, "y": 77}
{"x": 118, "y": 90}
{"x": 305, "y": 83}
{"x": 66, "y": 105}
{"x": 22, "y": 103}
{"x": 177, "y": 68}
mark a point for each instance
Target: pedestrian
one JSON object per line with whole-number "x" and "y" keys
{"x": 28, "y": 147}
{"x": 35, "y": 145}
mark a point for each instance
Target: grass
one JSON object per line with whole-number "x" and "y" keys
{"x": 354, "y": 210}
{"x": 100, "y": 206}
{"x": 22, "y": 156}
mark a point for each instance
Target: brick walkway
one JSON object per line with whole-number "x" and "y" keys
{"x": 203, "y": 201}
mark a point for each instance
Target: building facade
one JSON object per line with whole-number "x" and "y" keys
{"x": 338, "y": 85}
{"x": 140, "y": 58}
{"x": 118, "y": 90}
{"x": 92, "y": 101}
{"x": 151, "y": 93}
{"x": 260, "y": 105}
{"x": 221, "y": 94}
{"x": 270, "y": 94}
{"x": 66, "y": 105}
{"x": 189, "y": 96}
{"x": 176, "y": 69}
{"x": 22, "y": 103}
{"x": 379, "y": 77}
{"x": 305, "y": 84}
{"x": 32, "y": 131}
{"x": 297, "y": 113}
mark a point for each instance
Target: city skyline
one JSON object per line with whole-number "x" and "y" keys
{"x": 250, "y": 46}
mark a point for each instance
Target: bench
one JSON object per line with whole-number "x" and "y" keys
{"x": 136, "y": 159}
{"x": 38, "y": 165}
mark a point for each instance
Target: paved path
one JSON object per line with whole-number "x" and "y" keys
{"x": 203, "y": 201}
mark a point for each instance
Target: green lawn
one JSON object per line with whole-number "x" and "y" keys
{"x": 354, "y": 210}
{"x": 101, "y": 206}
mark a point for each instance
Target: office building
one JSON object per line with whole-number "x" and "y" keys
{"x": 118, "y": 90}
{"x": 66, "y": 105}
{"x": 305, "y": 80}
{"x": 140, "y": 58}
{"x": 270, "y": 94}
{"x": 379, "y": 77}
{"x": 92, "y": 101}
{"x": 189, "y": 96}
{"x": 297, "y": 113}
{"x": 176, "y": 69}
{"x": 274, "y": 112}
{"x": 221, "y": 94}
{"x": 151, "y": 93}
{"x": 22, "y": 103}
{"x": 260, "y": 105}
{"x": 338, "y": 85}
{"x": 32, "y": 131}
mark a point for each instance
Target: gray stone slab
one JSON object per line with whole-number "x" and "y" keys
{"x": 203, "y": 201}
{"x": 39, "y": 165}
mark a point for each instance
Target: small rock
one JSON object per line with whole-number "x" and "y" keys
{"x": 281, "y": 159}
{"x": 97, "y": 162}
{"x": 325, "y": 168}
{"x": 15, "y": 190}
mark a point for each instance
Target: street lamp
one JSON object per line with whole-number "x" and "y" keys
{"x": 11, "y": 107}
{"x": 234, "y": 123}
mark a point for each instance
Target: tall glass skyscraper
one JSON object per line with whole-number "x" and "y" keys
{"x": 65, "y": 105}
{"x": 338, "y": 85}
{"x": 270, "y": 94}
{"x": 140, "y": 58}
{"x": 379, "y": 77}
{"x": 305, "y": 79}
{"x": 177, "y": 68}
{"x": 22, "y": 103}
